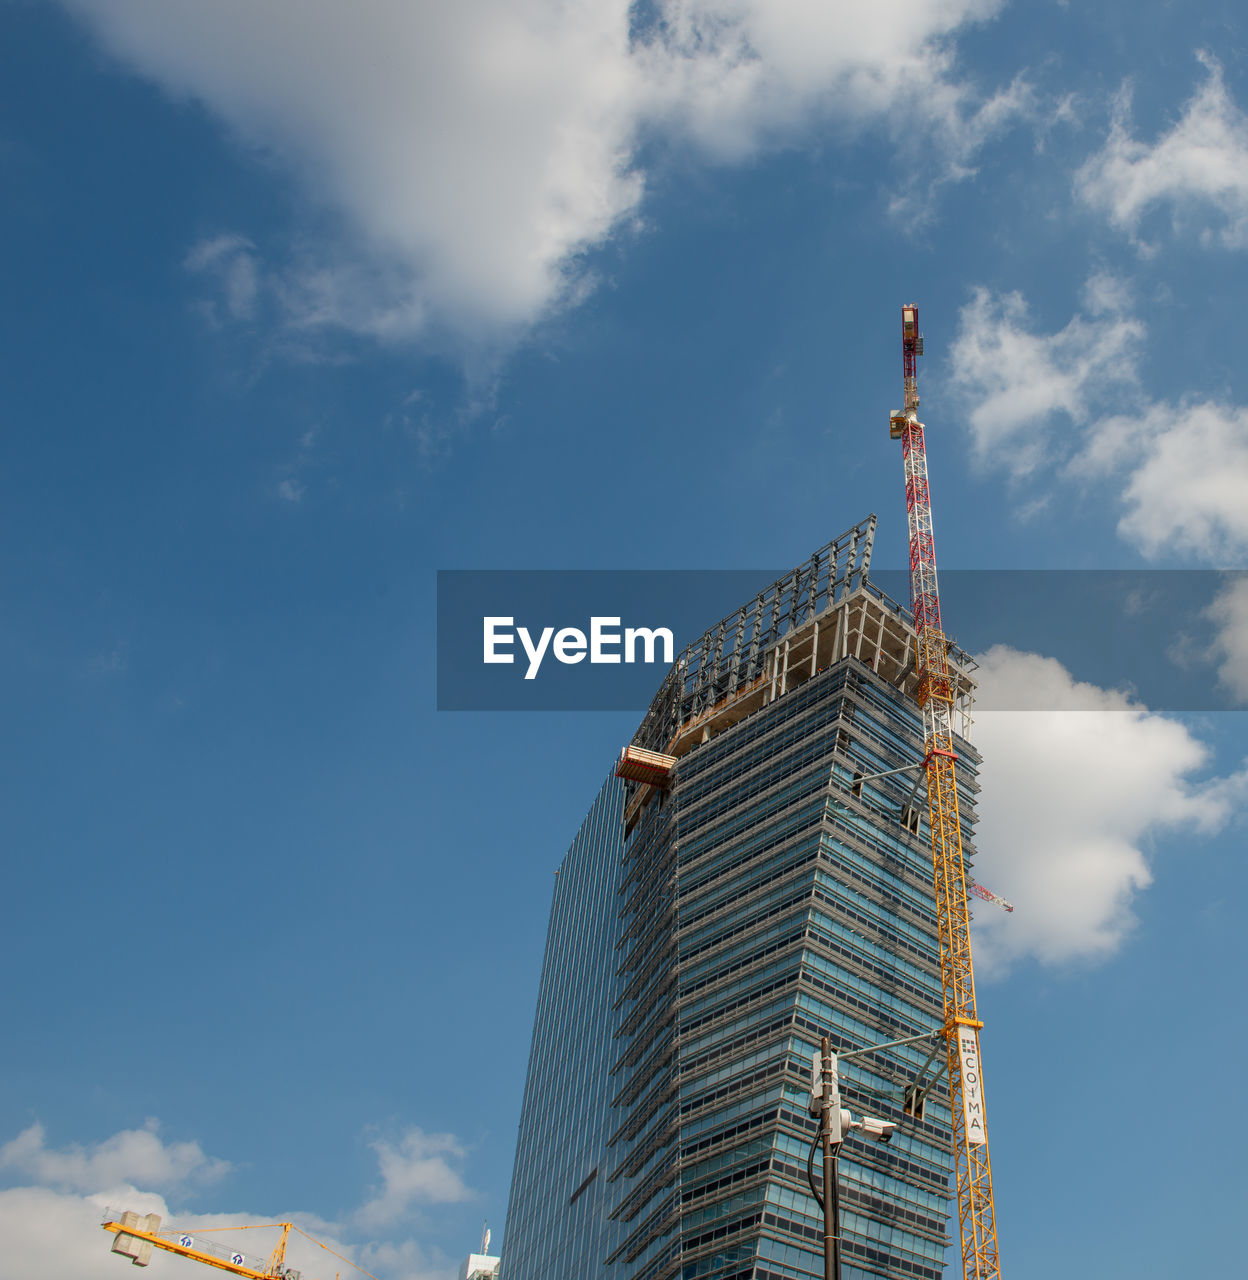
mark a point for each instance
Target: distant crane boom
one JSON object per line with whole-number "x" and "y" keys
{"x": 935, "y": 695}
{"x": 134, "y": 1232}
{"x": 138, "y": 1235}
{"x": 987, "y": 894}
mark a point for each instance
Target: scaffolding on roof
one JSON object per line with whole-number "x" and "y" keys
{"x": 825, "y": 609}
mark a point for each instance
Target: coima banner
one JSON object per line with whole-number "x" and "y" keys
{"x": 972, "y": 1087}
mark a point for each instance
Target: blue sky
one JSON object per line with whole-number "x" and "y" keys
{"x": 305, "y": 302}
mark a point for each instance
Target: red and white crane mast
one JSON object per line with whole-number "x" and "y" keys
{"x": 935, "y": 694}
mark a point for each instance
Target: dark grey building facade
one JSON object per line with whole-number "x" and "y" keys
{"x": 709, "y": 927}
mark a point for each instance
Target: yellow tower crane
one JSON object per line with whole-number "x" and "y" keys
{"x": 935, "y": 694}
{"x": 138, "y": 1234}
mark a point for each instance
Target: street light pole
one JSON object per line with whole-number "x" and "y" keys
{"x": 831, "y": 1125}
{"x": 834, "y": 1123}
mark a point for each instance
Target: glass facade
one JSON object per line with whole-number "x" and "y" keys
{"x": 704, "y": 936}
{"x": 559, "y": 1216}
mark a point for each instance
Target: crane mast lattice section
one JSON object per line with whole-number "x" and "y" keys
{"x": 935, "y": 695}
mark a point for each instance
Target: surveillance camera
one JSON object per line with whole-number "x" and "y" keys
{"x": 876, "y": 1129}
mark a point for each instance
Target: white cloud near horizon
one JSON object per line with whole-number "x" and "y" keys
{"x": 49, "y": 1232}
{"x": 475, "y": 151}
{"x": 127, "y": 1158}
{"x": 1069, "y": 406}
{"x": 52, "y": 1226}
{"x": 1198, "y": 169}
{"x": 1077, "y": 787}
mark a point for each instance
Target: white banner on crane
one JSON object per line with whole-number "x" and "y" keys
{"x": 972, "y": 1087}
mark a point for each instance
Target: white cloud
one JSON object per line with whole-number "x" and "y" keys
{"x": 291, "y": 489}
{"x": 1229, "y": 611}
{"x": 129, "y": 1157}
{"x": 1198, "y": 168}
{"x": 406, "y": 1260}
{"x": 1186, "y": 469}
{"x": 418, "y": 1169}
{"x": 475, "y": 150}
{"x": 735, "y": 74}
{"x": 1070, "y": 404}
{"x": 51, "y": 1233}
{"x": 231, "y": 261}
{"x": 56, "y": 1233}
{"x": 53, "y": 1228}
{"x": 1077, "y": 785}
{"x": 1015, "y": 380}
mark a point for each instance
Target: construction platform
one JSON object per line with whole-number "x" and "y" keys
{"x": 824, "y": 611}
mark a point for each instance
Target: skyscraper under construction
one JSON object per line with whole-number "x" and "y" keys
{"x": 744, "y": 884}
